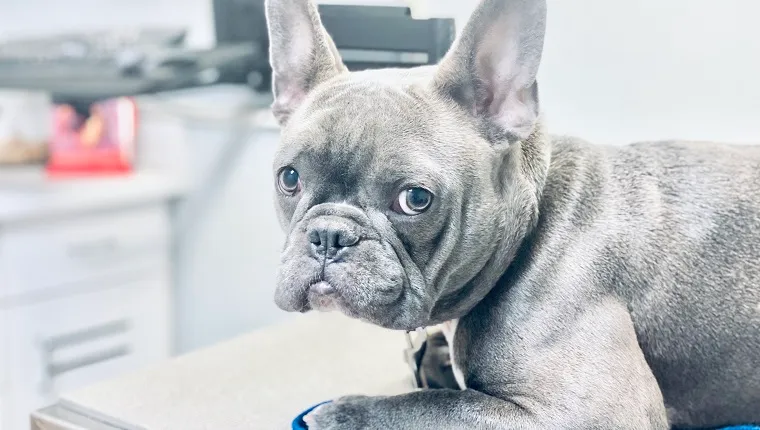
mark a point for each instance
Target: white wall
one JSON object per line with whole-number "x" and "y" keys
{"x": 647, "y": 69}
{"x": 19, "y": 18}
{"x": 616, "y": 71}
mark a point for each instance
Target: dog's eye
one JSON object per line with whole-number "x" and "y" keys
{"x": 288, "y": 181}
{"x": 413, "y": 201}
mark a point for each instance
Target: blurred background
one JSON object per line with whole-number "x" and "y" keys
{"x": 136, "y": 205}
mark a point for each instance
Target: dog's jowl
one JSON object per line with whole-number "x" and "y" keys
{"x": 590, "y": 286}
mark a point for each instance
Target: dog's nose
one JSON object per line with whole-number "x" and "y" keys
{"x": 329, "y": 239}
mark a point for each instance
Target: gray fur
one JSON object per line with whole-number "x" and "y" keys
{"x": 594, "y": 287}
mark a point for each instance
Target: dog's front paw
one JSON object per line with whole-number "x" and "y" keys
{"x": 349, "y": 413}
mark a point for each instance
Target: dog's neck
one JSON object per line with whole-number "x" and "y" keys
{"x": 531, "y": 159}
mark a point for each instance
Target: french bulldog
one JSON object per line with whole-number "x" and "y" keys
{"x": 585, "y": 286}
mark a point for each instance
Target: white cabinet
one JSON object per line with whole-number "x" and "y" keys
{"x": 41, "y": 257}
{"x": 82, "y": 299}
{"x": 63, "y": 344}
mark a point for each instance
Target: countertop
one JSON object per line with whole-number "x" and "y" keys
{"x": 28, "y": 196}
{"x": 258, "y": 381}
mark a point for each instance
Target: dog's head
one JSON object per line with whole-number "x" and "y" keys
{"x": 405, "y": 193}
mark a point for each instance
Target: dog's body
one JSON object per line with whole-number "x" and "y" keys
{"x": 671, "y": 232}
{"x": 591, "y": 287}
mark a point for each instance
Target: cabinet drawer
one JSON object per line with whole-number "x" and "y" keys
{"x": 65, "y": 344}
{"x": 41, "y": 256}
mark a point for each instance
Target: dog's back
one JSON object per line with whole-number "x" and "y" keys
{"x": 675, "y": 228}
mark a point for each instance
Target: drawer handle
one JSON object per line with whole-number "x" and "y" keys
{"x": 52, "y": 369}
{"x": 78, "y": 337}
{"x": 56, "y": 369}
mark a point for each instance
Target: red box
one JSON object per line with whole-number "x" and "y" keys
{"x": 100, "y": 143}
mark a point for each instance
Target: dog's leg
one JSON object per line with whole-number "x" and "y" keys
{"x": 567, "y": 372}
{"x": 426, "y": 409}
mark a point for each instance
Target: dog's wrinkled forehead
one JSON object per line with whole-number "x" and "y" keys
{"x": 361, "y": 106}
{"x": 360, "y": 121}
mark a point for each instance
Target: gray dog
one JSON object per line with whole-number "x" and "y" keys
{"x": 586, "y": 286}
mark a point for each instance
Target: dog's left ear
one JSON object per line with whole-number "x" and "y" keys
{"x": 301, "y": 53}
{"x": 491, "y": 69}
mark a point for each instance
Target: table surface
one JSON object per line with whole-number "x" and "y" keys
{"x": 261, "y": 380}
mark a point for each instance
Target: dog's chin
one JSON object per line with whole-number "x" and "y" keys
{"x": 389, "y": 310}
{"x": 322, "y": 303}
{"x": 373, "y": 287}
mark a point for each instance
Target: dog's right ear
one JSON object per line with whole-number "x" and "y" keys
{"x": 301, "y": 53}
{"x": 491, "y": 69}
